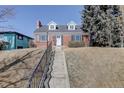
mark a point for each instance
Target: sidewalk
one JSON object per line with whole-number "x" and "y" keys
{"x": 59, "y": 74}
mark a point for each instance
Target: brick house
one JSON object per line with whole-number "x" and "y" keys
{"x": 60, "y": 35}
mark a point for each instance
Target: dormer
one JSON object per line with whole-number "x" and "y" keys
{"x": 71, "y": 25}
{"x": 52, "y": 25}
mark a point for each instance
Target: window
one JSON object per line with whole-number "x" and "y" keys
{"x": 20, "y": 37}
{"x": 76, "y": 37}
{"x": 58, "y": 36}
{"x": 37, "y": 37}
{"x": 43, "y": 37}
{"x": 1, "y": 37}
{"x": 71, "y": 27}
{"x": 19, "y": 47}
{"x": 51, "y": 27}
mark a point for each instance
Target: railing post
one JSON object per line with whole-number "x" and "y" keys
{"x": 47, "y": 47}
{"x": 34, "y": 81}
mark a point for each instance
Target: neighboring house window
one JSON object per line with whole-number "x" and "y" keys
{"x": 20, "y": 37}
{"x": 76, "y": 37}
{"x": 1, "y": 37}
{"x": 43, "y": 38}
{"x": 19, "y": 47}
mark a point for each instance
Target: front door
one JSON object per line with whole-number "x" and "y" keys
{"x": 58, "y": 40}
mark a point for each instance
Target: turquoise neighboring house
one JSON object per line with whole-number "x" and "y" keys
{"x": 15, "y": 40}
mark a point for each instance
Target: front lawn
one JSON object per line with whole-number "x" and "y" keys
{"x": 95, "y": 67}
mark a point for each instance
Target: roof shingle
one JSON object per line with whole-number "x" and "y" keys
{"x": 59, "y": 28}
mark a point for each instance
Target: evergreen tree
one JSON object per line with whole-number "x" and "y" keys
{"x": 86, "y": 17}
{"x": 117, "y": 27}
{"x": 103, "y": 26}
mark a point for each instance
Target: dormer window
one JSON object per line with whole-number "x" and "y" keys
{"x": 52, "y": 25}
{"x": 71, "y": 25}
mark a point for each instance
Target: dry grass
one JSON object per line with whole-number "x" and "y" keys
{"x": 95, "y": 67}
{"x": 17, "y": 75}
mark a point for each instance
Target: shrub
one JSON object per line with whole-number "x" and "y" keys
{"x": 3, "y": 45}
{"x": 75, "y": 44}
{"x": 31, "y": 44}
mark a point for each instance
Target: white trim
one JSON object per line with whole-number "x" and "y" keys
{"x": 70, "y": 27}
{"x": 70, "y": 24}
{"x": 52, "y": 23}
{"x": 52, "y": 28}
{"x": 58, "y": 40}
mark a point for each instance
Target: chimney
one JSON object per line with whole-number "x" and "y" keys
{"x": 38, "y": 24}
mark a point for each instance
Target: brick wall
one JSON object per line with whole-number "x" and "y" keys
{"x": 66, "y": 39}
{"x": 86, "y": 40}
{"x": 40, "y": 44}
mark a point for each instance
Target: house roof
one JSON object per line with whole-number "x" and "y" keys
{"x": 52, "y": 22}
{"x": 59, "y": 28}
{"x": 13, "y": 32}
{"x": 71, "y": 23}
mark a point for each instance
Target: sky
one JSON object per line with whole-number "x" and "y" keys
{"x": 24, "y": 20}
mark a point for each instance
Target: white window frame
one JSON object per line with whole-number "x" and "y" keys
{"x": 53, "y": 27}
{"x": 1, "y": 37}
{"x": 71, "y": 27}
{"x": 74, "y": 38}
{"x": 70, "y": 24}
{"x": 46, "y": 37}
{"x": 52, "y": 23}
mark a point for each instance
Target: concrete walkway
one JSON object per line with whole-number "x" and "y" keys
{"x": 59, "y": 74}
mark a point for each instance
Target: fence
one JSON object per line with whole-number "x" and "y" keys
{"x": 39, "y": 75}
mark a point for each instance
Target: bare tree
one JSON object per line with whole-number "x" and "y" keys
{"x": 3, "y": 44}
{"x": 31, "y": 44}
{"x": 6, "y": 13}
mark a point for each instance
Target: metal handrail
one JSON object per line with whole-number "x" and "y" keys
{"x": 38, "y": 75}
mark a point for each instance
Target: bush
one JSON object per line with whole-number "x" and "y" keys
{"x": 31, "y": 44}
{"x": 3, "y": 45}
{"x": 75, "y": 44}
